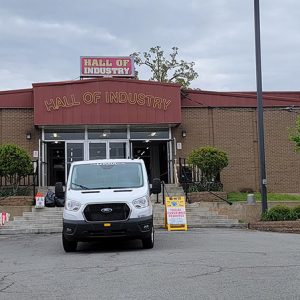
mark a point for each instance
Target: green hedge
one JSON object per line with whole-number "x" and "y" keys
{"x": 281, "y": 213}
{"x": 296, "y": 210}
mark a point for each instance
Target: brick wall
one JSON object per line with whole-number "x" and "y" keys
{"x": 14, "y": 124}
{"x": 17, "y": 201}
{"x": 234, "y": 131}
{"x": 247, "y": 212}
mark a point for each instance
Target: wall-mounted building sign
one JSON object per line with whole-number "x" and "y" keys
{"x": 106, "y": 101}
{"x": 101, "y": 66}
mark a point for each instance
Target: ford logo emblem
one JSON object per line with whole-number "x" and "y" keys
{"x": 106, "y": 210}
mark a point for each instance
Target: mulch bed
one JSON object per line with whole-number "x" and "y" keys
{"x": 277, "y": 226}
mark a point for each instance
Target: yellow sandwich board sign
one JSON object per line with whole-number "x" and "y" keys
{"x": 175, "y": 214}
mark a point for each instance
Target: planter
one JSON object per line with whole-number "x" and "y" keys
{"x": 16, "y": 201}
{"x": 206, "y": 197}
{"x": 277, "y": 226}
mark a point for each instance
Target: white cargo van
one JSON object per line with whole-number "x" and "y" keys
{"x": 108, "y": 198}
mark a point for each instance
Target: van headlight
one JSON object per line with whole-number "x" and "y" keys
{"x": 141, "y": 202}
{"x": 72, "y": 205}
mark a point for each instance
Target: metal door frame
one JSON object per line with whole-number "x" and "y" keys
{"x": 84, "y": 143}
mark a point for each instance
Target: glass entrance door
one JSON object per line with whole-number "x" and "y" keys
{"x": 97, "y": 150}
{"x": 155, "y": 156}
{"x": 117, "y": 150}
{"x": 107, "y": 149}
{"x": 74, "y": 152}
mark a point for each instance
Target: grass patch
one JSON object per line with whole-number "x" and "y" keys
{"x": 235, "y": 197}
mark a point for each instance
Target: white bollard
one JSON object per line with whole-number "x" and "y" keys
{"x": 250, "y": 199}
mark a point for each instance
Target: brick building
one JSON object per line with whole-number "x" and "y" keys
{"x": 61, "y": 122}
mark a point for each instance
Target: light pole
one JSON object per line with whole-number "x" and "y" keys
{"x": 260, "y": 111}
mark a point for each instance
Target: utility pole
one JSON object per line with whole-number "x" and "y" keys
{"x": 260, "y": 111}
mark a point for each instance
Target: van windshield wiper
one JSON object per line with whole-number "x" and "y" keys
{"x": 81, "y": 186}
{"x": 114, "y": 188}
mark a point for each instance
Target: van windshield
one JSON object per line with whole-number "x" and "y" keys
{"x": 106, "y": 176}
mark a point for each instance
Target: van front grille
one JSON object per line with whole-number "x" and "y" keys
{"x": 106, "y": 212}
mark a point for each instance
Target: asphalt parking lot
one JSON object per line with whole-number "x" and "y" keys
{"x": 198, "y": 264}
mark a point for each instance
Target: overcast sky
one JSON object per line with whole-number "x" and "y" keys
{"x": 42, "y": 40}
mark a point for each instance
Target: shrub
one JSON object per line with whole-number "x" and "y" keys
{"x": 15, "y": 164}
{"x": 296, "y": 211}
{"x": 209, "y": 160}
{"x": 279, "y": 213}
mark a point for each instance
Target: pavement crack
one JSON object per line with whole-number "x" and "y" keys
{"x": 219, "y": 269}
{"x": 7, "y": 285}
{"x": 263, "y": 266}
{"x": 115, "y": 269}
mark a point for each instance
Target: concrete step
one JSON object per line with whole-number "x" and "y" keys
{"x": 207, "y": 225}
{"x": 43, "y": 213}
{"x": 12, "y": 231}
{"x": 49, "y": 220}
{"x": 38, "y": 223}
{"x": 32, "y": 218}
{"x": 212, "y": 221}
{"x": 196, "y": 212}
{"x": 47, "y": 209}
{"x": 8, "y": 226}
{"x": 219, "y": 225}
{"x": 157, "y": 224}
{"x": 196, "y": 218}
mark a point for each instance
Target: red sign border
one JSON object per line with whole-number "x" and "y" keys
{"x": 132, "y": 75}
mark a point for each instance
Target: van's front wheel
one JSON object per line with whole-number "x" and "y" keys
{"x": 69, "y": 246}
{"x": 148, "y": 242}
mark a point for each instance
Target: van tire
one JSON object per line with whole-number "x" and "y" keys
{"x": 148, "y": 242}
{"x": 69, "y": 246}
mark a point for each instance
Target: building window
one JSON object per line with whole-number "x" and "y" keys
{"x": 95, "y": 134}
{"x": 149, "y": 133}
{"x": 97, "y": 150}
{"x": 65, "y": 134}
{"x": 117, "y": 150}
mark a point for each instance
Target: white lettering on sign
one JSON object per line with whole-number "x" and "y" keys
{"x": 93, "y": 66}
{"x": 94, "y": 62}
{"x": 106, "y": 71}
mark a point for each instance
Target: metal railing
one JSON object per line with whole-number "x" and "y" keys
{"x": 28, "y": 182}
{"x": 191, "y": 180}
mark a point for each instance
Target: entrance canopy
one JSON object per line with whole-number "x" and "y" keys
{"x": 106, "y": 101}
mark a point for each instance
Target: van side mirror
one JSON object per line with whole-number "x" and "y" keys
{"x": 156, "y": 186}
{"x": 59, "y": 190}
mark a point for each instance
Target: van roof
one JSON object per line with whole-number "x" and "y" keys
{"x": 103, "y": 161}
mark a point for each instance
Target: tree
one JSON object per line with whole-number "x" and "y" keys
{"x": 209, "y": 160}
{"x": 164, "y": 69}
{"x": 295, "y": 135}
{"x": 15, "y": 164}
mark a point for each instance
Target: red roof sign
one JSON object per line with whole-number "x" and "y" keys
{"x": 101, "y": 66}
